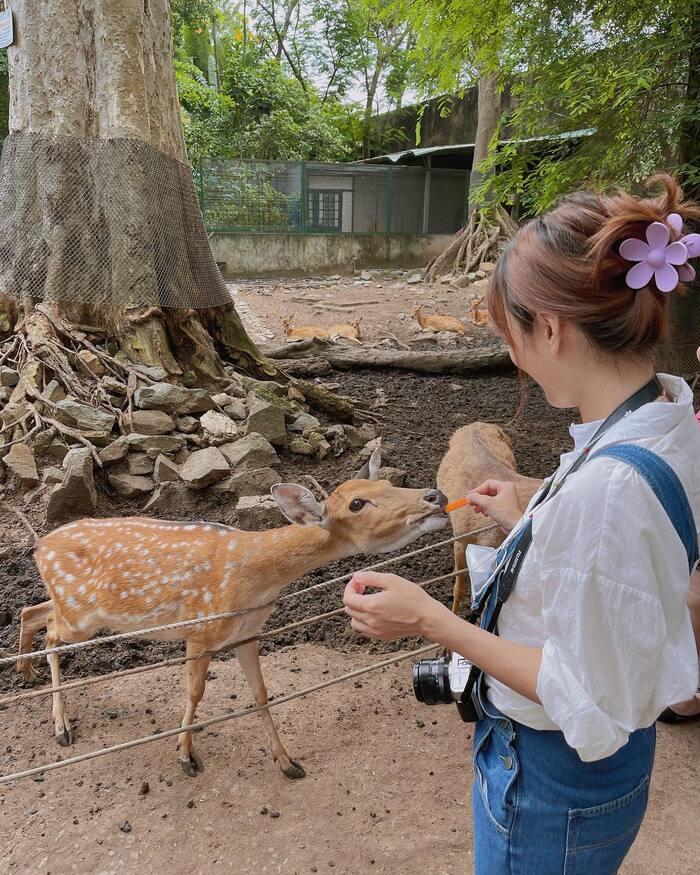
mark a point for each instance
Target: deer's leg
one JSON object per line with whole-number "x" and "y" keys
{"x": 196, "y": 681}
{"x": 460, "y": 587}
{"x": 32, "y": 620}
{"x": 249, "y": 659}
{"x": 62, "y": 729}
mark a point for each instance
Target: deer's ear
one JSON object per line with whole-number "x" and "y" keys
{"x": 299, "y": 505}
{"x": 370, "y": 470}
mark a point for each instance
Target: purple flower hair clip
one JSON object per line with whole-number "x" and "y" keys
{"x": 666, "y": 262}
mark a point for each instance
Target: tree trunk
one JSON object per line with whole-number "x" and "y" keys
{"x": 369, "y": 105}
{"x": 489, "y": 113}
{"x": 98, "y": 210}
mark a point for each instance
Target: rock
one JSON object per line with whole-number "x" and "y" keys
{"x": 370, "y": 447}
{"x": 367, "y": 432}
{"x": 20, "y": 462}
{"x": 156, "y": 444}
{"x": 140, "y": 464}
{"x": 92, "y": 362}
{"x": 222, "y": 399}
{"x": 76, "y": 495}
{"x": 236, "y": 389}
{"x": 258, "y": 512}
{"x": 187, "y": 424}
{"x": 259, "y": 481}
{"x": 414, "y": 278}
{"x": 172, "y": 399}
{"x": 366, "y": 276}
{"x": 338, "y": 439}
{"x": 295, "y": 395}
{"x": 130, "y": 486}
{"x": 5, "y": 393}
{"x": 8, "y": 376}
{"x": 151, "y": 422}
{"x": 115, "y": 451}
{"x": 165, "y": 470}
{"x": 488, "y": 266}
{"x": 301, "y": 447}
{"x": 304, "y": 421}
{"x": 252, "y": 451}
{"x": 395, "y": 476}
{"x": 355, "y": 439}
{"x": 53, "y": 475}
{"x": 172, "y": 499}
{"x": 76, "y": 414}
{"x": 236, "y": 410}
{"x": 114, "y": 386}
{"x": 320, "y": 445}
{"x": 53, "y": 391}
{"x": 204, "y": 467}
{"x": 267, "y": 420}
{"x": 480, "y": 274}
{"x": 218, "y": 427}
{"x": 56, "y": 451}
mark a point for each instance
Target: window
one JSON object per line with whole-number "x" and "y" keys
{"x": 325, "y": 210}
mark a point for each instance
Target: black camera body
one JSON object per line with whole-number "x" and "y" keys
{"x": 439, "y": 682}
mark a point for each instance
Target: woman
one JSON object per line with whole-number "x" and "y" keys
{"x": 595, "y": 639}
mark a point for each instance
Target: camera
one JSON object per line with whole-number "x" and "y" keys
{"x": 437, "y": 681}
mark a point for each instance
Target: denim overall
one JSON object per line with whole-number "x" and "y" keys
{"x": 538, "y": 808}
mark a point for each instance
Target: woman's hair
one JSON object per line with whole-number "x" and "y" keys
{"x": 566, "y": 262}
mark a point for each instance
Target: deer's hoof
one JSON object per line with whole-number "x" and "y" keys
{"x": 192, "y": 766}
{"x": 64, "y": 737}
{"x": 294, "y": 770}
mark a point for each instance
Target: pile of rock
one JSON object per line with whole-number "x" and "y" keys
{"x": 167, "y": 445}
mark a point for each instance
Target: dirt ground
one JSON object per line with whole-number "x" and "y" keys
{"x": 388, "y": 778}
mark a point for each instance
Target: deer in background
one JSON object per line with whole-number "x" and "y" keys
{"x": 303, "y": 332}
{"x": 346, "y": 331}
{"x": 134, "y": 573}
{"x": 477, "y": 452}
{"x": 438, "y": 321}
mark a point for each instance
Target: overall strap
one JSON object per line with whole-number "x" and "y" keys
{"x": 666, "y": 486}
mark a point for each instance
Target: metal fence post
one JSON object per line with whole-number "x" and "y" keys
{"x": 304, "y": 197}
{"x": 389, "y": 198}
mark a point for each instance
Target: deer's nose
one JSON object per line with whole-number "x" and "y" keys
{"x": 434, "y": 496}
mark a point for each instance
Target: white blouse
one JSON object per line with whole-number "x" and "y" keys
{"x": 603, "y": 589}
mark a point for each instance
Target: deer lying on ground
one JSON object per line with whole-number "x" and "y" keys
{"x": 477, "y": 452}
{"x": 438, "y": 321}
{"x": 346, "y": 331}
{"x": 134, "y": 573}
{"x": 477, "y": 314}
{"x": 303, "y": 332}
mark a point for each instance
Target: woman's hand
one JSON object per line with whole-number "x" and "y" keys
{"x": 401, "y": 608}
{"x": 499, "y": 500}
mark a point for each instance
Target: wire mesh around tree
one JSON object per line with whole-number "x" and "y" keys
{"x": 112, "y": 224}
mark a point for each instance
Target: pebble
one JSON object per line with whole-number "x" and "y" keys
{"x": 145, "y": 787}
{"x": 190, "y": 804}
{"x": 125, "y": 826}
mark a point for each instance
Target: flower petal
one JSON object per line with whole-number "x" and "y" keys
{"x": 675, "y": 222}
{"x": 658, "y": 235}
{"x": 692, "y": 242}
{"x": 676, "y": 253}
{"x": 666, "y": 278}
{"x": 639, "y": 276}
{"x": 633, "y": 249}
{"x": 686, "y": 273}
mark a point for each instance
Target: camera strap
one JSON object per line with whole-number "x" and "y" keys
{"x": 502, "y": 585}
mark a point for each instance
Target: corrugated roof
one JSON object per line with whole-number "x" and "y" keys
{"x": 397, "y": 157}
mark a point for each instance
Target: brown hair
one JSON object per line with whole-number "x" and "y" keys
{"x": 566, "y": 262}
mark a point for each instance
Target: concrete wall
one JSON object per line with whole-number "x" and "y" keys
{"x": 249, "y": 255}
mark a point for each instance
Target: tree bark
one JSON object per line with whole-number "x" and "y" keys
{"x": 109, "y": 90}
{"x": 489, "y": 113}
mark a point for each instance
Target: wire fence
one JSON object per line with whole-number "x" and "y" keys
{"x": 309, "y": 197}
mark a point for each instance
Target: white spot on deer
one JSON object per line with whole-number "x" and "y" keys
{"x": 207, "y": 565}
{"x": 92, "y": 599}
{"x": 71, "y": 602}
{"x": 59, "y": 590}
{"x": 50, "y": 556}
{"x": 123, "y": 594}
{"x": 207, "y": 597}
{"x": 81, "y": 588}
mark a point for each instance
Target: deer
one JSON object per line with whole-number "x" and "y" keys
{"x": 346, "y": 331}
{"x": 477, "y": 315}
{"x": 438, "y": 321}
{"x": 303, "y": 332}
{"x": 477, "y": 452}
{"x": 125, "y": 574}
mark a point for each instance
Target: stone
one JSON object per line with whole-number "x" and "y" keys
{"x": 320, "y": 445}
{"x": 92, "y": 362}
{"x": 204, "y": 467}
{"x": 187, "y": 424}
{"x": 488, "y": 266}
{"x": 53, "y": 391}
{"x": 154, "y": 372}
{"x": 152, "y": 422}
{"x": 370, "y": 447}
{"x": 337, "y": 438}
{"x": 130, "y": 485}
{"x": 250, "y": 452}
{"x": 395, "y": 476}
{"x": 76, "y": 495}
{"x": 355, "y": 439}
{"x": 5, "y": 393}
{"x": 20, "y": 462}
{"x": 218, "y": 427}
{"x": 414, "y": 278}
{"x": 172, "y": 399}
{"x": 367, "y": 432}
{"x": 304, "y": 421}
{"x": 157, "y": 443}
{"x": 295, "y": 394}
{"x": 301, "y": 447}
{"x": 236, "y": 389}
{"x": 115, "y": 451}
{"x": 366, "y": 276}
{"x": 222, "y": 399}
{"x": 139, "y": 464}
{"x": 77, "y": 414}
{"x": 114, "y": 386}
{"x": 257, "y": 512}
{"x": 172, "y": 499}
{"x": 259, "y": 481}
{"x": 52, "y": 474}
{"x": 165, "y": 470}
{"x": 56, "y": 451}
{"x": 267, "y": 420}
{"x": 8, "y": 376}
{"x": 236, "y": 410}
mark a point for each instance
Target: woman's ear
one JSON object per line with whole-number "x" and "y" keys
{"x": 553, "y": 330}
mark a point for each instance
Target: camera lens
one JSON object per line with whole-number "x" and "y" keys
{"x": 431, "y": 682}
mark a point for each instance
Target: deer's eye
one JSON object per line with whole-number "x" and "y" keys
{"x": 357, "y": 504}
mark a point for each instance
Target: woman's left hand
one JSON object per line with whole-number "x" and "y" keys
{"x": 401, "y": 608}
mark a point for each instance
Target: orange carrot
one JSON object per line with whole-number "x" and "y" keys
{"x": 455, "y": 505}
